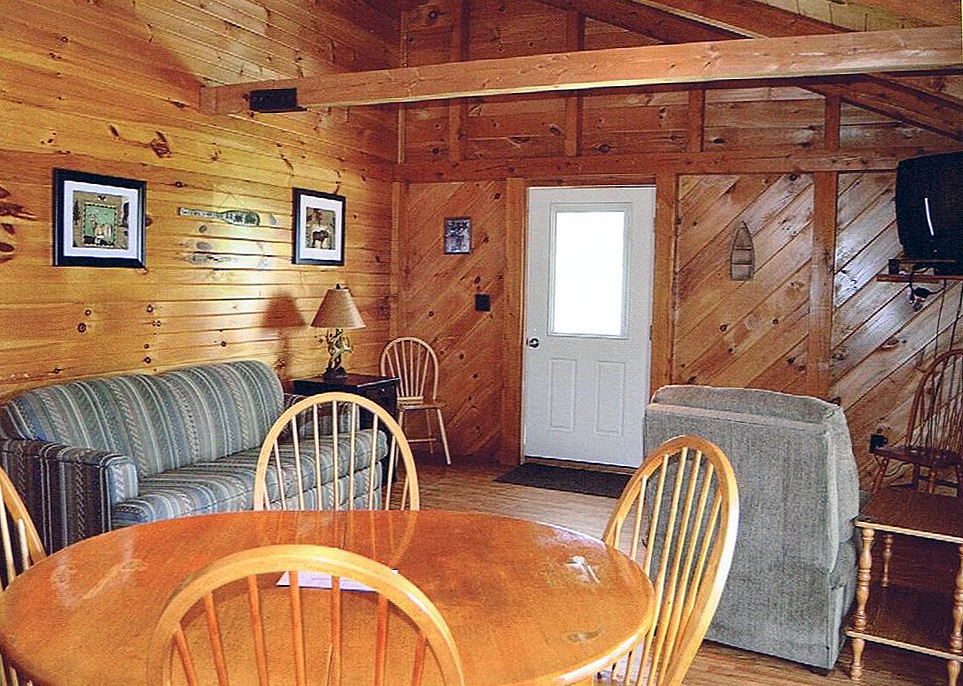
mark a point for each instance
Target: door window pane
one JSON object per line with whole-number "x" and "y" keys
{"x": 588, "y": 270}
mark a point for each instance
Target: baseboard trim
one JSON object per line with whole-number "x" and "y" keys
{"x": 575, "y": 464}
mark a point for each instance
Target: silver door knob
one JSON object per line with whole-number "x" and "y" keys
{"x": 533, "y": 343}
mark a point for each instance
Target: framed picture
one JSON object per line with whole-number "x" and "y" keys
{"x": 98, "y": 221}
{"x": 318, "y": 228}
{"x": 457, "y": 235}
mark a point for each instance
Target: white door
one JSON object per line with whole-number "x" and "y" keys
{"x": 588, "y": 312}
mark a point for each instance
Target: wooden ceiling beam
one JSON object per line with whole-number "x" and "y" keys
{"x": 730, "y": 60}
{"x": 657, "y": 23}
{"x": 751, "y": 19}
{"x": 633, "y": 166}
{"x": 902, "y": 103}
{"x": 746, "y": 18}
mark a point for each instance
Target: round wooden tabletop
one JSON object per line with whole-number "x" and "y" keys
{"x": 527, "y": 603}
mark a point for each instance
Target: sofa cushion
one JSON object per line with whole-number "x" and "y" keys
{"x": 162, "y": 422}
{"x": 227, "y": 484}
{"x": 222, "y": 409}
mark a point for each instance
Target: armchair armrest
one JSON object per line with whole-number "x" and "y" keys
{"x": 69, "y": 490}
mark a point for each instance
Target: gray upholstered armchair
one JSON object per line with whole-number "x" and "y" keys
{"x": 793, "y": 574}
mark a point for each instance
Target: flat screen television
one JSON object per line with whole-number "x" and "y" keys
{"x": 929, "y": 209}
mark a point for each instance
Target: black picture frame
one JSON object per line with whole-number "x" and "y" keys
{"x": 98, "y": 221}
{"x": 317, "y": 222}
{"x": 457, "y": 235}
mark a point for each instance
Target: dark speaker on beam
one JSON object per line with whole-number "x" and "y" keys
{"x": 274, "y": 100}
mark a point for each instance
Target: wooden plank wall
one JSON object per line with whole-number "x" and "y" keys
{"x": 881, "y": 344}
{"x": 743, "y": 333}
{"x": 438, "y": 305}
{"x": 111, "y": 87}
{"x": 752, "y": 333}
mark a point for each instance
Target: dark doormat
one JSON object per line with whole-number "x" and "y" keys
{"x": 588, "y": 481}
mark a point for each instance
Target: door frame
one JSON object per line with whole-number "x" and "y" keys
{"x": 516, "y": 268}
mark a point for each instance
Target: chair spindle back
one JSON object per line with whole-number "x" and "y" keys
{"x": 296, "y": 443}
{"x": 682, "y": 511}
{"x": 415, "y": 364}
{"x": 285, "y": 634}
{"x": 935, "y": 425}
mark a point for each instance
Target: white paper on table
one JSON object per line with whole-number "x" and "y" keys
{"x": 322, "y": 580}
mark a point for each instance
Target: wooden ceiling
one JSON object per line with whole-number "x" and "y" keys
{"x": 872, "y": 15}
{"x": 679, "y": 21}
{"x": 914, "y": 101}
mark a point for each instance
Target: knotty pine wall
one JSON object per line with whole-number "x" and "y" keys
{"x": 753, "y": 333}
{"x": 438, "y": 305}
{"x": 111, "y": 87}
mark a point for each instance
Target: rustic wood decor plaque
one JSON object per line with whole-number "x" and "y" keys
{"x": 742, "y": 259}
{"x": 235, "y": 217}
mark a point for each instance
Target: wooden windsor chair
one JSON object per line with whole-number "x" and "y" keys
{"x": 322, "y": 431}
{"x": 237, "y": 622}
{"x": 683, "y": 508}
{"x": 22, "y": 548}
{"x": 415, "y": 364}
{"x": 934, "y": 431}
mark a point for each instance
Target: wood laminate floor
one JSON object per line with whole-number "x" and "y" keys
{"x": 470, "y": 485}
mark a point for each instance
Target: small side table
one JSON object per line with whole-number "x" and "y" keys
{"x": 921, "y": 621}
{"x": 381, "y": 389}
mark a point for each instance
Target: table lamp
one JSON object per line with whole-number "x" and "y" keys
{"x": 336, "y": 313}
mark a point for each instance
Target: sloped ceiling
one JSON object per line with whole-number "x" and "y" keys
{"x": 930, "y": 102}
{"x": 872, "y": 15}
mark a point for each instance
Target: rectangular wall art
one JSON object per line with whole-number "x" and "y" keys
{"x": 98, "y": 221}
{"x": 318, "y": 227}
{"x": 457, "y": 235}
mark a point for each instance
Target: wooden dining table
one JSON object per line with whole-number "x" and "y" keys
{"x": 527, "y": 603}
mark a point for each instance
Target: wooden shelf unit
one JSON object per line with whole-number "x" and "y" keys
{"x": 893, "y": 618}
{"x": 921, "y": 621}
{"x": 919, "y": 277}
{"x": 896, "y": 271}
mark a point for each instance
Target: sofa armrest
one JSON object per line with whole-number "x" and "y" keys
{"x": 305, "y": 420}
{"x": 69, "y": 490}
{"x": 290, "y": 399}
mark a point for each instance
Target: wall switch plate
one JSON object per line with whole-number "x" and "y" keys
{"x": 483, "y": 302}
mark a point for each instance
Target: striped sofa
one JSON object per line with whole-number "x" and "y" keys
{"x": 98, "y": 454}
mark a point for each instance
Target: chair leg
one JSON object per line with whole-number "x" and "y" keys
{"x": 444, "y": 435}
{"x": 401, "y": 423}
{"x": 880, "y": 473}
{"x": 431, "y": 434}
{"x": 916, "y": 477}
{"x": 931, "y": 486}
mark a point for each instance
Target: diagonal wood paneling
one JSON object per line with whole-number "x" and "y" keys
{"x": 880, "y": 344}
{"x": 436, "y": 302}
{"x": 743, "y": 333}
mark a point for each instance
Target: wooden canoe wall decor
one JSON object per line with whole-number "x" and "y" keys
{"x": 742, "y": 259}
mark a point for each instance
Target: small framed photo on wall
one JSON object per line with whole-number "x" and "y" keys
{"x": 98, "y": 221}
{"x": 318, "y": 228}
{"x": 457, "y": 235}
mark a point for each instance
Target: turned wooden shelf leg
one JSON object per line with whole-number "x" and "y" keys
{"x": 862, "y": 596}
{"x": 956, "y": 638}
{"x": 887, "y": 556}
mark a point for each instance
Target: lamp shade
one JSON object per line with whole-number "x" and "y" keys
{"x": 338, "y": 311}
